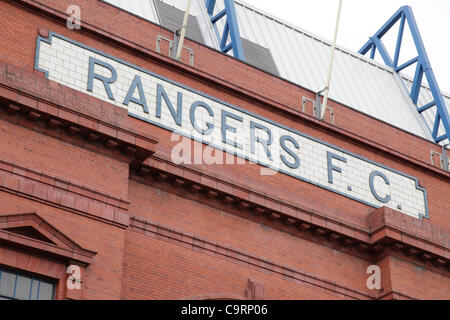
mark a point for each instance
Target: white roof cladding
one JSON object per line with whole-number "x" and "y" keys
{"x": 142, "y": 8}
{"x": 302, "y": 57}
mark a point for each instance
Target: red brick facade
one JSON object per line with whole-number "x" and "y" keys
{"x": 140, "y": 227}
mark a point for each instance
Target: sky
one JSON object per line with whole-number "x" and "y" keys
{"x": 360, "y": 19}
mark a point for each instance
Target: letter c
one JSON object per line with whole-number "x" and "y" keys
{"x": 372, "y": 188}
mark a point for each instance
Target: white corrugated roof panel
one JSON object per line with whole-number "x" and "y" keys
{"x": 357, "y": 81}
{"x": 142, "y": 8}
{"x": 302, "y": 57}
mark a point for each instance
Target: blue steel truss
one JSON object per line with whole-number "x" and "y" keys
{"x": 231, "y": 28}
{"x": 405, "y": 14}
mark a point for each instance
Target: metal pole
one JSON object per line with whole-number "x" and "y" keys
{"x": 183, "y": 31}
{"x": 330, "y": 68}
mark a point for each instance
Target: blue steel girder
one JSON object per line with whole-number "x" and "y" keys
{"x": 230, "y": 29}
{"x": 405, "y": 14}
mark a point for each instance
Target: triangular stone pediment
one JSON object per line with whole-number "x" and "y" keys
{"x": 30, "y": 230}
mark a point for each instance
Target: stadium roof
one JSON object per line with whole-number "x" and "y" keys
{"x": 301, "y": 57}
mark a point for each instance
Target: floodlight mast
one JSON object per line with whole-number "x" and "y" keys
{"x": 405, "y": 14}
{"x": 230, "y": 30}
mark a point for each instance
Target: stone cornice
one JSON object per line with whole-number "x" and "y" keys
{"x": 386, "y": 229}
{"x": 63, "y": 194}
{"x": 50, "y": 114}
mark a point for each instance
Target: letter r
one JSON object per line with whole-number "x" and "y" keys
{"x": 106, "y": 81}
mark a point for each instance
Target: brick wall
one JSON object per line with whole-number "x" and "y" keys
{"x": 200, "y": 231}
